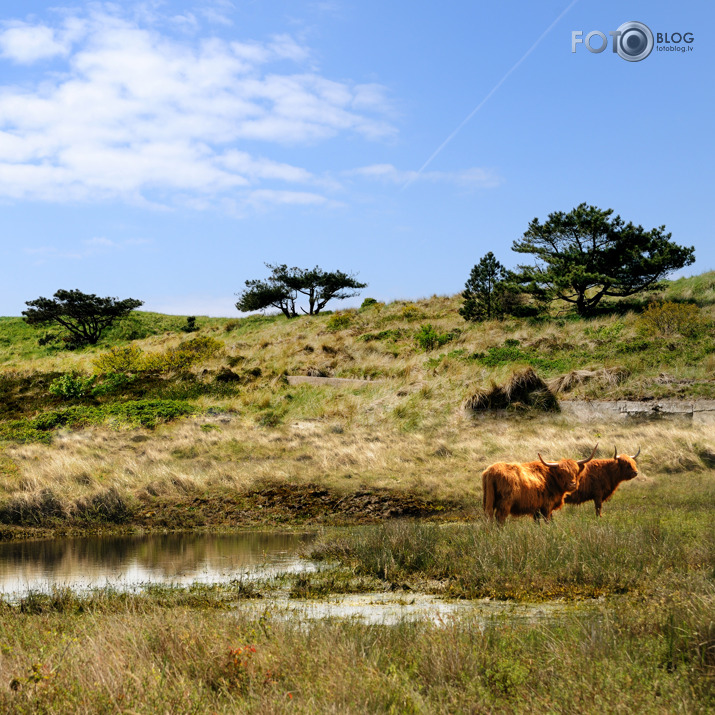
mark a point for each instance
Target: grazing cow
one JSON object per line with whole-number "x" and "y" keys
{"x": 535, "y": 488}
{"x": 602, "y": 477}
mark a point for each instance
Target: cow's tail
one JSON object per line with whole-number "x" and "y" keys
{"x": 488, "y": 494}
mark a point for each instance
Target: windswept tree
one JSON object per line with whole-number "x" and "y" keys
{"x": 84, "y": 316}
{"x": 584, "y": 255}
{"x": 283, "y": 288}
{"x": 481, "y": 292}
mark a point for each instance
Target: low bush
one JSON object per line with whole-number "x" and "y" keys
{"x": 184, "y": 356}
{"x": 190, "y": 325}
{"x": 180, "y": 358}
{"x": 370, "y": 303}
{"x": 668, "y": 319}
{"x": 119, "y": 360}
{"x": 411, "y": 312}
{"x": 71, "y": 386}
{"x": 429, "y": 339}
{"x": 338, "y": 321}
{"x": 113, "y": 383}
{"x": 394, "y": 334}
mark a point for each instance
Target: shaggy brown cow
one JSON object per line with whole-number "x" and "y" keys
{"x": 602, "y": 477}
{"x": 535, "y": 488}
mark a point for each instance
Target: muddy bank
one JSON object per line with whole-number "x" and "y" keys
{"x": 282, "y": 505}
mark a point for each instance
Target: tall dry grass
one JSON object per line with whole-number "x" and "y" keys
{"x": 155, "y": 654}
{"x": 230, "y": 452}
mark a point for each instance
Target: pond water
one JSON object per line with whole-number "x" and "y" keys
{"x": 132, "y": 562}
{"x": 127, "y": 562}
{"x": 390, "y": 608}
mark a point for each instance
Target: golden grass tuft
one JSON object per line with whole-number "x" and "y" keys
{"x": 606, "y": 377}
{"x": 523, "y": 389}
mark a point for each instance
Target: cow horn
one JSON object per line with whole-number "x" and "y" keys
{"x": 548, "y": 464}
{"x": 583, "y": 461}
{"x": 615, "y": 452}
{"x": 637, "y": 453}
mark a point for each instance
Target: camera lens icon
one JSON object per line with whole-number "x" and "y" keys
{"x": 635, "y": 42}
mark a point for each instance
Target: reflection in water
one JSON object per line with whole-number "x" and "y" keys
{"x": 392, "y": 608}
{"x": 132, "y": 561}
{"x": 128, "y": 561}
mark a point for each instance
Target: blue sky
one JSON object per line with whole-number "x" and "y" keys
{"x": 166, "y": 150}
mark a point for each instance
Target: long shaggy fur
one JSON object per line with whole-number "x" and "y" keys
{"x": 531, "y": 488}
{"x": 600, "y": 478}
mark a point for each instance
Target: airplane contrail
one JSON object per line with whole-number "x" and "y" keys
{"x": 486, "y": 99}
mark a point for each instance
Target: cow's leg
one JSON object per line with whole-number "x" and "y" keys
{"x": 502, "y": 513}
{"x": 598, "y": 503}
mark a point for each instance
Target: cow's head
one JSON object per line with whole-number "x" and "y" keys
{"x": 568, "y": 471}
{"x": 627, "y": 467}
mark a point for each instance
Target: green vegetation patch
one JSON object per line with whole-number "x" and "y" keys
{"x": 649, "y": 655}
{"x": 580, "y": 558}
{"x": 392, "y": 334}
{"x": 134, "y": 413}
{"x": 513, "y": 352}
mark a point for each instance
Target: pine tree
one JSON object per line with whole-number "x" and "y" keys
{"x": 584, "y": 255}
{"x": 481, "y": 298}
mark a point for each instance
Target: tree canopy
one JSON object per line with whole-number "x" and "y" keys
{"x": 285, "y": 285}
{"x": 586, "y": 254}
{"x": 83, "y": 315}
{"x": 481, "y": 300}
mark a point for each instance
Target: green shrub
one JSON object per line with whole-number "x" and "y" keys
{"x": 371, "y": 303}
{"x": 133, "y": 327}
{"x": 190, "y": 325}
{"x": 668, "y": 319}
{"x": 71, "y": 386}
{"x": 394, "y": 334}
{"x": 119, "y": 360}
{"x": 411, "y": 312}
{"x": 605, "y": 334}
{"x": 184, "y": 356}
{"x": 112, "y": 384}
{"x": 429, "y": 339}
{"x": 339, "y": 321}
{"x": 22, "y": 432}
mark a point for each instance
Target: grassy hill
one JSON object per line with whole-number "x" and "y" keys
{"x": 156, "y": 428}
{"x": 153, "y": 416}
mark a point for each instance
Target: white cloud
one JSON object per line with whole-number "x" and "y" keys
{"x": 96, "y": 245}
{"x": 466, "y": 178}
{"x": 217, "y": 11}
{"x": 293, "y": 198}
{"x": 26, "y": 43}
{"x": 140, "y": 116}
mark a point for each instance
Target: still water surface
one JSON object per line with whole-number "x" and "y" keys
{"x": 131, "y": 562}
{"x": 127, "y": 562}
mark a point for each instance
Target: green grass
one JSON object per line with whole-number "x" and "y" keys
{"x": 179, "y": 650}
{"x": 19, "y": 341}
{"x": 572, "y": 559}
{"x": 133, "y": 413}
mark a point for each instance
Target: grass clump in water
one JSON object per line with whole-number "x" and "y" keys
{"x": 575, "y": 559}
